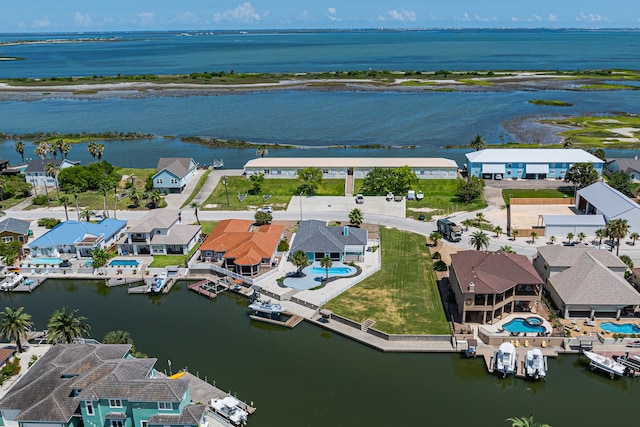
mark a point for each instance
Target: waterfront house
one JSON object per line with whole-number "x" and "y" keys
{"x": 240, "y": 246}
{"x": 488, "y": 285}
{"x": 527, "y": 163}
{"x": 356, "y": 167}
{"x": 600, "y": 199}
{"x": 159, "y": 232}
{"x": 14, "y": 230}
{"x": 584, "y": 281}
{"x": 98, "y": 385}
{"x": 173, "y": 174}
{"x": 630, "y": 166}
{"x": 36, "y": 171}
{"x": 340, "y": 243}
{"x": 77, "y": 238}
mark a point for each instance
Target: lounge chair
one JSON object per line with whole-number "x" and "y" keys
{"x": 526, "y": 343}
{"x": 46, "y": 271}
{"x": 544, "y": 344}
{"x": 589, "y": 322}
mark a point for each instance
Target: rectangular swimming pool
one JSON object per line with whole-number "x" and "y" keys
{"x": 124, "y": 263}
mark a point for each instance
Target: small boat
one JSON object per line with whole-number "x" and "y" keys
{"x": 605, "y": 364}
{"x": 389, "y": 196}
{"x": 536, "y": 364}
{"x": 267, "y": 307}
{"x": 472, "y": 348}
{"x": 419, "y": 195}
{"x": 217, "y": 163}
{"x": 157, "y": 283}
{"x": 506, "y": 359}
{"x": 229, "y": 407}
{"x": 11, "y": 281}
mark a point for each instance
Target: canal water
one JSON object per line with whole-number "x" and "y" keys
{"x": 311, "y": 377}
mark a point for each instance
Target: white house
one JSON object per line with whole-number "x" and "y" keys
{"x": 173, "y": 174}
{"x": 562, "y": 225}
{"x": 600, "y": 199}
{"x": 36, "y": 171}
{"x": 528, "y": 163}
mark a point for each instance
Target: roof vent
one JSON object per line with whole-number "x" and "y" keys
{"x": 472, "y": 287}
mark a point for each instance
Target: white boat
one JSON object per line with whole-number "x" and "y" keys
{"x": 229, "y": 407}
{"x": 267, "y": 307}
{"x": 389, "y": 196}
{"x": 157, "y": 283}
{"x": 536, "y": 364}
{"x": 419, "y": 195}
{"x": 506, "y": 359}
{"x": 217, "y": 163}
{"x": 11, "y": 281}
{"x": 411, "y": 195}
{"x": 605, "y": 364}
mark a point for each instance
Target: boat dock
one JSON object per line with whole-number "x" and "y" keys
{"x": 120, "y": 280}
{"x": 488, "y": 354}
{"x": 208, "y": 288}
{"x": 202, "y": 391}
{"x": 290, "y": 323}
{"x": 27, "y": 286}
{"x": 142, "y": 289}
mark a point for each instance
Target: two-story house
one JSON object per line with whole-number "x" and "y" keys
{"x": 36, "y": 171}
{"x": 173, "y": 174}
{"x": 159, "y": 233}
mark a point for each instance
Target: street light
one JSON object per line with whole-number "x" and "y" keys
{"x": 226, "y": 190}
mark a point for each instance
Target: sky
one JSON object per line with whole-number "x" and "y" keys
{"x": 132, "y": 15}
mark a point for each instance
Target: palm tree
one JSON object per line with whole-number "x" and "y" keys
{"x": 356, "y": 217}
{"x": 634, "y": 236}
{"x": 514, "y": 233}
{"x": 525, "y": 422}
{"x": 262, "y": 151}
{"x": 41, "y": 150}
{"x": 552, "y": 239}
{"x": 326, "y": 263}
{"x": 618, "y": 229}
{"x": 14, "y": 325}
{"x": 92, "y": 149}
{"x": 75, "y": 190}
{"x": 581, "y": 236}
{"x": 53, "y": 149}
{"x": 435, "y": 237}
{"x": 87, "y": 214}
{"x": 533, "y": 236}
{"x": 154, "y": 197}
{"x": 52, "y": 171}
{"x": 104, "y": 186}
{"x": 498, "y": 230}
{"x": 64, "y": 148}
{"x": 479, "y": 240}
{"x": 570, "y": 237}
{"x": 99, "y": 151}
{"x": 480, "y": 218}
{"x": 19, "y": 147}
{"x": 66, "y": 326}
{"x": 507, "y": 249}
{"x": 300, "y": 260}
{"x": 478, "y": 143}
{"x": 196, "y": 206}
{"x": 568, "y": 142}
{"x": 134, "y": 195}
{"x": 64, "y": 199}
{"x": 601, "y": 233}
{"x": 117, "y": 337}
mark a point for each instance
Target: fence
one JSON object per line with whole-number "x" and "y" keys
{"x": 542, "y": 201}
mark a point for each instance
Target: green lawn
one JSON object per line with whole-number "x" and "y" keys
{"x": 280, "y": 191}
{"x": 198, "y": 187}
{"x": 208, "y": 226}
{"x": 534, "y": 193}
{"x": 403, "y": 296}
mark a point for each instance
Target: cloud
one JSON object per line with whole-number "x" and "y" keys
{"x": 187, "y": 18}
{"x": 401, "y": 15}
{"x": 552, "y": 17}
{"x": 467, "y": 17}
{"x": 242, "y": 13}
{"x": 332, "y": 14}
{"x": 536, "y": 18}
{"x": 84, "y": 20}
{"x": 42, "y": 23}
{"x": 589, "y": 17}
{"x": 144, "y": 19}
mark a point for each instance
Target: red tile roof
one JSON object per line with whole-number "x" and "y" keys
{"x": 238, "y": 239}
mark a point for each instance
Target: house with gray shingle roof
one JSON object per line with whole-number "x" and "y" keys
{"x": 600, "y": 199}
{"x": 12, "y": 229}
{"x": 340, "y": 243}
{"x": 97, "y": 385}
{"x": 173, "y": 174}
{"x": 629, "y": 165}
{"x": 36, "y": 171}
{"x": 553, "y": 259}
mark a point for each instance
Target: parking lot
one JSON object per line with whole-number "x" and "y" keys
{"x": 372, "y": 205}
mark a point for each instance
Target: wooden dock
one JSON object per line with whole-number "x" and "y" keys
{"x": 202, "y": 391}
{"x": 488, "y": 354}
{"x": 208, "y": 288}
{"x": 142, "y": 289}
{"x": 290, "y": 323}
{"x": 22, "y": 287}
{"x": 121, "y": 280}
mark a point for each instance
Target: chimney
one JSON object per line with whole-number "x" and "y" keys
{"x": 472, "y": 287}
{"x": 345, "y": 231}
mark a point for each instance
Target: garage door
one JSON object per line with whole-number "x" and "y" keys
{"x": 42, "y": 425}
{"x": 537, "y": 168}
{"x": 493, "y": 168}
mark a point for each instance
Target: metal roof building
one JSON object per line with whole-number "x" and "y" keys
{"x": 600, "y": 199}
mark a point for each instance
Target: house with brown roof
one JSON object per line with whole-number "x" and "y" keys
{"x": 98, "y": 385}
{"x": 173, "y": 174}
{"x": 242, "y": 247}
{"x": 586, "y": 282}
{"x": 488, "y": 285}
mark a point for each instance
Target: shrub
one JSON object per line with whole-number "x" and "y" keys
{"x": 48, "y": 222}
{"x": 40, "y": 200}
{"x": 283, "y": 245}
{"x": 440, "y": 266}
{"x": 436, "y": 255}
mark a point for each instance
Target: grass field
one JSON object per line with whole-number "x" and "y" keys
{"x": 279, "y": 190}
{"x": 534, "y": 193}
{"x": 403, "y": 296}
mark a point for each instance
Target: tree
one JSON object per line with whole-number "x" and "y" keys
{"x": 552, "y": 239}
{"x": 627, "y": 260}
{"x": 41, "y": 150}
{"x": 196, "y": 206}
{"x": 135, "y": 196}
{"x": 435, "y": 237}
{"x": 581, "y": 236}
{"x": 14, "y": 325}
{"x": 514, "y": 233}
{"x": 623, "y": 182}
{"x": 498, "y": 230}
{"x": 9, "y": 251}
{"x": 326, "y": 263}
{"x": 311, "y": 178}
{"x": 95, "y": 149}
{"x": 356, "y": 217}
{"x": 480, "y": 218}
{"x": 479, "y": 240}
{"x": 507, "y": 249}
{"x": 75, "y": 190}
{"x": 52, "y": 171}
{"x": 525, "y": 422}
{"x": 568, "y": 142}
{"x": 403, "y": 178}
{"x": 104, "y": 186}
{"x": 470, "y": 189}
{"x": 601, "y": 233}
{"x": 617, "y": 230}
{"x": 581, "y": 175}
{"x": 380, "y": 181}
{"x": 634, "y": 236}
{"x": 533, "y": 236}
{"x": 263, "y": 218}
{"x": 64, "y": 148}
{"x": 262, "y": 151}
{"x": 300, "y": 260}
{"x": 478, "y": 143}
{"x": 599, "y": 153}
{"x": 570, "y": 237}
{"x": 257, "y": 179}
{"x": 99, "y": 257}
{"x": 19, "y": 147}
{"x": 154, "y": 197}
{"x": 86, "y": 214}
{"x": 117, "y": 337}
{"x": 66, "y": 326}
{"x": 64, "y": 199}
{"x": 53, "y": 148}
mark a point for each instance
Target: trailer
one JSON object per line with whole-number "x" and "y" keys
{"x": 449, "y": 230}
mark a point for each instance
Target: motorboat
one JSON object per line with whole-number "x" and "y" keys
{"x": 229, "y": 407}
{"x": 157, "y": 283}
{"x": 217, "y": 163}
{"x": 411, "y": 195}
{"x": 267, "y": 307}
{"x": 605, "y": 364}
{"x": 506, "y": 359}
{"x": 419, "y": 195}
{"x": 535, "y": 364}
{"x": 389, "y": 196}
{"x": 11, "y": 281}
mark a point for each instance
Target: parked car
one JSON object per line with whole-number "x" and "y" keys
{"x": 359, "y": 199}
{"x": 266, "y": 209}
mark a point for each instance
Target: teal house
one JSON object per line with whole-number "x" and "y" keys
{"x": 98, "y": 385}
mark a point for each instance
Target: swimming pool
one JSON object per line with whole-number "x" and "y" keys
{"x": 523, "y": 325}
{"x": 45, "y": 261}
{"x": 124, "y": 263}
{"x": 333, "y": 271}
{"x": 620, "y": 328}
{"x": 314, "y": 275}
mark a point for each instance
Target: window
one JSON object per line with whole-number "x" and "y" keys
{"x": 165, "y": 406}
{"x": 117, "y": 423}
{"x": 144, "y": 423}
{"x": 7, "y": 239}
{"x": 115, "y": 403}
{"x": 159, "y": 181}
{"x": 174, "y": 181}
{"x": 89, "y": 405}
